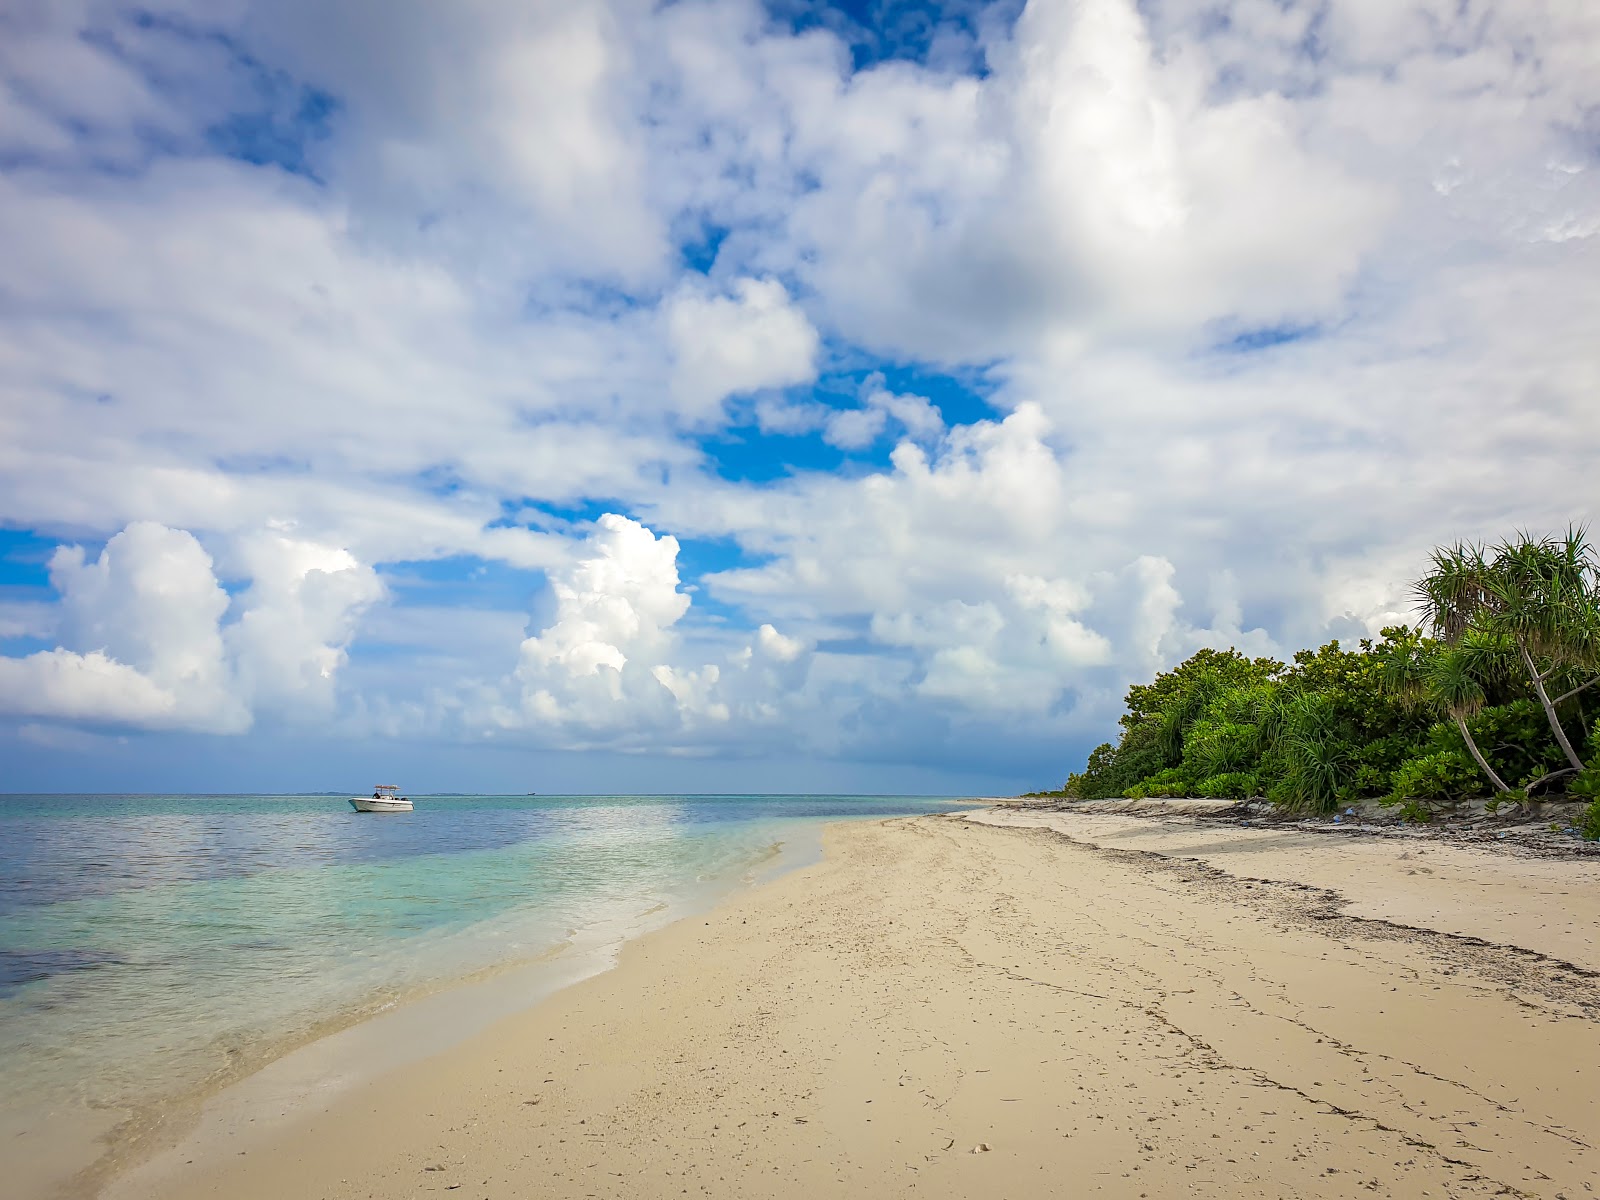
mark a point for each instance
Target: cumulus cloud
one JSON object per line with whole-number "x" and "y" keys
{"x": 1265, "y": 306}
{"x": 141, "y": 643}
{"x": 984, "y": 593}
{"x": 613, "y": 662}
{"x": 300, "y": 612}
{"x": 614, "y": 611}
{"x": 145, "y": 642}
{"x": 1085, "y": 190}
{"x": 743, "y": 342}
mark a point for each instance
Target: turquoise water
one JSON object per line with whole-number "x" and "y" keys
{"x": 152, "y": 944}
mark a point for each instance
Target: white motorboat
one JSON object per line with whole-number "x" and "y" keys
{"x": 385, "y": 798}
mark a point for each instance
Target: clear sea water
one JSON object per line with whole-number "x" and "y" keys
{"x": 152, "y": 944}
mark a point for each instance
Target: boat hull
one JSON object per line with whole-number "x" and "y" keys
{"x": 379, "y": 804}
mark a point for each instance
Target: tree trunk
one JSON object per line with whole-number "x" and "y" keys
{"x": 1477, "y": 755}
{"x": 1549, "y": 708}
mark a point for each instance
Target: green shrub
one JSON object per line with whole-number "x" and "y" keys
{"x": 1373, "y": 764}
{"x": 1516, "y": 796}
{"x": 1415, "y": 810}
{"x": 1404, "y": 719}
{"x": 1315, "y": 751}
{"x": 1589, "y": 823}
{"x": 1218, "y": 747}
{"x": 1433, "y": 781}
{"x": 1113, "y": 769}
{"x": 1233, "y": 785}
{"x": 1585, "y": 784}
{"x": 1516, "y": 739}
{"x": 1173, "y": 782}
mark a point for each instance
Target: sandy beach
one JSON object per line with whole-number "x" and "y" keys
{"x": 1030, "y": 1004}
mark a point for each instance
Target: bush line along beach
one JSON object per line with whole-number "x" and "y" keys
{"x": 1490, "y": 703}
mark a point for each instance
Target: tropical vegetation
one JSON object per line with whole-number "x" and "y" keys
{"x": 1491, "y": 698}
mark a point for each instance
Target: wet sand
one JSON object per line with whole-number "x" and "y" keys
{"x": 948, "y": 1008}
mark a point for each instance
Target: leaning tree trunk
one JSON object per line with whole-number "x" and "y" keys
{"x": 1549, "y": 708}
{"x": 1477, "y": 755}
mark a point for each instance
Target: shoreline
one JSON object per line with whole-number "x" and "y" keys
{"x": 84, "y": 1151}
{"x": 838, "y": 986}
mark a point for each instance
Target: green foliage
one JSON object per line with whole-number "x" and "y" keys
{"x": 1216, "y": 746}
{"x": 1530, "y": 603}
{"x": 1517, "y": 739}
{"x": 1207, "y": 669}
{"x": 1314, "y": 749}
{"x": 1235, "y": 785}
{"x": 1172, "y": 782}
{"x": 1514, "y": 797}
{"x": 1435, "y": 780}
{"x": 1373, "y": 764}
{"x": 1493, "y": 705}
{"x": 1586, "y": 786}
{"x": 1112, "y": 770}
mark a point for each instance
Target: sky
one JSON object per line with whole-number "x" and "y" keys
{"x": 726, "y": 396}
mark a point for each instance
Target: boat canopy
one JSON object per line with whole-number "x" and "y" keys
{"x": 386, "y": 787}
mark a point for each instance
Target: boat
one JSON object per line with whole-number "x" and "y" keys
{"x": 385, "y": 798}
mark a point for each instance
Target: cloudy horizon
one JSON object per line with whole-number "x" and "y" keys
{"x": 727, "y": 396}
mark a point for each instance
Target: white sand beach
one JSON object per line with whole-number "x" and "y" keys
{"x": 1025, "y": 1004}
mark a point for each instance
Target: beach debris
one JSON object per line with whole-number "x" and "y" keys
{"x": 980, "y": 1148}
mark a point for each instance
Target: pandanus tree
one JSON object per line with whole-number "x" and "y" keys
{"x": 1455, "y": 679}
{"x": 1315, "y": 753}
{"x": 1452, "y": 678}
{"x": 1535, "y": 598}
{"x": 1543, "y": 599}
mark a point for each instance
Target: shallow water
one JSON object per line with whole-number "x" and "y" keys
{"x": 150, "y": 944}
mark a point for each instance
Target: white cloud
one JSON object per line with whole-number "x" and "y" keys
{"x": 295, "y": 363}
{"x": 144, "y": 640}
{"x": 299, "y": 613}
{"x": 616, "y": 603}
{"x": 613, "y": 663}
{"x": 855, "y": 428}
{"x": 474, "y": 323}
{"x": 882, "y": 410}
{"x": 66, "y": 96}
{"x": 1085, "y": 190}
{"x": 982, "y": 590}
{"x": 87, "y": 687}
{"x": 723, "y": 345}
{"x": 141, "y": 643}
{"x": 517, "y": 121}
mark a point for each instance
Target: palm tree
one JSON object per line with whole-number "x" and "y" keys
{"x": 1454, "y": 594}
{"x": 1541, "y": 595}
{"x": 1536, "y": 596}
{"x": 1452, "y": 679}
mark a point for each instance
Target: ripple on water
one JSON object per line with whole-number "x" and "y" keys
{"x": 147, "y": 942}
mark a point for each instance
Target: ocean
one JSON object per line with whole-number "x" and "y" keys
{"x": 152, "y": 947}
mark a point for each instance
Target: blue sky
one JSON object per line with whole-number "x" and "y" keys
{"x": 717, "y": 395}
